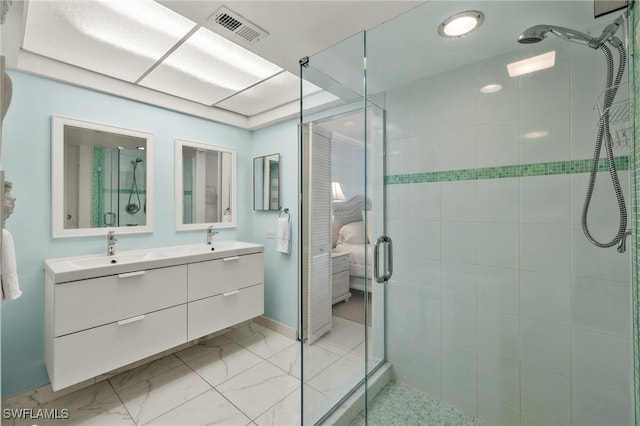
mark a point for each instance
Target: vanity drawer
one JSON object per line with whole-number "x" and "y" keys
{"x": 86, "y": 354}
{"x": 206, "y": 316}
{"x": 89, "y": 303}
{"x": 224, "y": 275}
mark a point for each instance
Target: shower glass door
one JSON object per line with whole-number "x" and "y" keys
{"x": 342, "y": 305}
{"x": 500, "y": 310}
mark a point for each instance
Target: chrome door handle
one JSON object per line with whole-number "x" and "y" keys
{"x": 383, "y": 239}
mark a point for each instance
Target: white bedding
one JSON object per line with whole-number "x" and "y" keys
{"x": 356, "y": 258}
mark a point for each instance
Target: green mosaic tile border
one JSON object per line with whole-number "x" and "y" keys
{"x": 98, "y": 187}
{"x": 634, "y": 28}
{"x": 513, "y": 171}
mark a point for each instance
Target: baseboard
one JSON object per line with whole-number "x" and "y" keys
{"x": 276, "y": 326}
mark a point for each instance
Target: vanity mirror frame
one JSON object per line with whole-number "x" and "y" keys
{"x": 179, "y": 186}
{"x": 58, "y": 214}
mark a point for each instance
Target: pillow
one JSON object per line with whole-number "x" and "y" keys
{"x": 369, "y": 226}
{"x": 352, "y": 233}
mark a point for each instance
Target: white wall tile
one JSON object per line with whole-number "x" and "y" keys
{"x": 458, "y": 241}
{"x": 596, "y": 406}
{"x": 499, "y": 244}
{"x": 584, "y": 128}
{"x": 397, "y": 121}
{"x": 460, "y": 397}
{"x": 498, "y": 334}
{"x": 545, "y": 137}
{"x": 499, "y": 200}
{"x": 603, "y": 207}
{"x": 425, "y": 315}
{"x": 424, "y": 239}
{"x": 459, "y": 200}
{"x": 590, "y": 261}
{"x": 458, "y": 283}
{"x": 399, "y": 231}
{"x": 498, "y": 144}
{"x": 547, "y": 90}
{"x": 546, "y": 199}
{"x": 546, "y": 346}
{"x": 425, "y": 276}
{"x": 397, "y": 341}
{"x": 499, "y": 379}
{"x": 459, "y": 149}
{"x": 396, "y": 303}
{"x": 498, "y": 106}
{"x": 528, "y": 419}
{"x": 546, "y": 395}
{"x": 425, "y": 354}
{"x": 459, "y": 104}
{"x": 497, "y": 413}
{"x": 459, "y": 366}
{"x": 602, "y": 360}
{"x": 425, "y": 201}
{"x": 431, "y": 385}
{"x": 424, "y": 115}
{"x": 498, "y": 289}
{"x": 397, "y": 201}
{"x": 602, "y": 306}
{"x": 546, "y": 297}
{"x": 423, "y": 153}
{"x": 458, "y": 324}
{"x": 545, "y": 248}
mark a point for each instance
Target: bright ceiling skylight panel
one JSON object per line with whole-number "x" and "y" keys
{"x": 208, "y": 68}
{"x": 118, "y": 38}
{"x": 279, "y": 90}
{"x": 532, "y": 64}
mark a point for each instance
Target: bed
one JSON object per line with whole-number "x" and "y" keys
{"x": 350, "y": 236}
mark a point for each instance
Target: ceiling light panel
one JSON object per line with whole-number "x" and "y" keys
{"x": 121, "y": 39}
{"x": 279, "y": 90}
{"x": 208, "y": 68}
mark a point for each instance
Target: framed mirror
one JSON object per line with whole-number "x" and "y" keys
{"x": 102, "y": 179}
{"x": 205, "y": 185}
{"x": 266, "y": 183}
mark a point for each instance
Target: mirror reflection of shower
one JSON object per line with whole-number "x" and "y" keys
{"x": 538, "y": 33}
{"x": 134, "y": 203}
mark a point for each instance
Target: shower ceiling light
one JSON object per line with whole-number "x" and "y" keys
{"x": 537, "y": 134}
{"x": 491, "y": 88}
{"x": 532, "y": 64}
{"x": 461, "y": 24}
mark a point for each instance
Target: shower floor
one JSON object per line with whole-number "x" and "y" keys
{"x": 399, "y": 404}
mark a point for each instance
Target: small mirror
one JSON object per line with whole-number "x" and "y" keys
{"x": 266, "y": 182}
{"x": 205, "y": 186}
{"x": 101, "y": 179}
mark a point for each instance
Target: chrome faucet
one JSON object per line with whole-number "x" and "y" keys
{"x": 111, "y": 243}
{"x": 210, "y": 235}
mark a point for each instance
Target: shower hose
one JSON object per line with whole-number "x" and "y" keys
{"x": 604, "y": 135}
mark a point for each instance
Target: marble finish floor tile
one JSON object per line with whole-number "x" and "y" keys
{"x": 223, "y": 363}
{"x": 287, "y": 411}
{"x": 266, "y": 343}
{"x": 316, "y": 359}
{"x": 258, "y": 388}
{"x": 144, "y": 372}
{"x": 207, "y": 409}
{"x": 206, "y": 347}
{"x": 162, "y": 393}
{"x": 337, "y": 375}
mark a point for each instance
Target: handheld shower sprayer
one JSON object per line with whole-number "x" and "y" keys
{"x": 538, "y": 33}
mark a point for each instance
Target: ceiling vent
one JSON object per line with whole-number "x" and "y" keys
{"x": 227, "y": 21}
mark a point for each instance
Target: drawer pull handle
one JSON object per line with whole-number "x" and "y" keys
{"x": 227, "y": 259}
{"x": 132, "y": 274}
{"x": 231, "y": 293}
{"x": 130, "y": 320}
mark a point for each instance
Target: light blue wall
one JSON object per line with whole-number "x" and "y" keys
{"x": 26, "y": 158}
{"x": 281, "y": 270}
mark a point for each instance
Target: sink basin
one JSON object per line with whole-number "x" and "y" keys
{"x": 104, "y": 260}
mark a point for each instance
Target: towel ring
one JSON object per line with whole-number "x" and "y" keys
{"x": 285, "y": 213}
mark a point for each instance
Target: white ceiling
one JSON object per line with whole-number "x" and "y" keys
{"x": 38, "y": 38}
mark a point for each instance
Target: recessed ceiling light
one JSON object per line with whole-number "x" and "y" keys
{"x": 537, "y": 134}
{"x": 461, "y": 24}
{"x": 532, "y": 64}
{"x": 491, "y": 88}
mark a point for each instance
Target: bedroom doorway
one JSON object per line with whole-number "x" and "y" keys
{"x": 342, "y": 304}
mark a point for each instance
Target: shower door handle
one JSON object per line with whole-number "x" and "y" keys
{"x": 383, "y": 239}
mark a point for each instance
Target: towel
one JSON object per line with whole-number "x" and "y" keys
{"x": 284, "y": 235}
{"x": 9, "y": 275}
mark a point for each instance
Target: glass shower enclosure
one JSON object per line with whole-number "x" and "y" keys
{"x": 498, "y": 309}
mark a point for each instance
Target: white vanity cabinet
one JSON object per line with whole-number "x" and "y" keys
{"x": 99, "y": 320}
{"x": 224, "y": 291}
